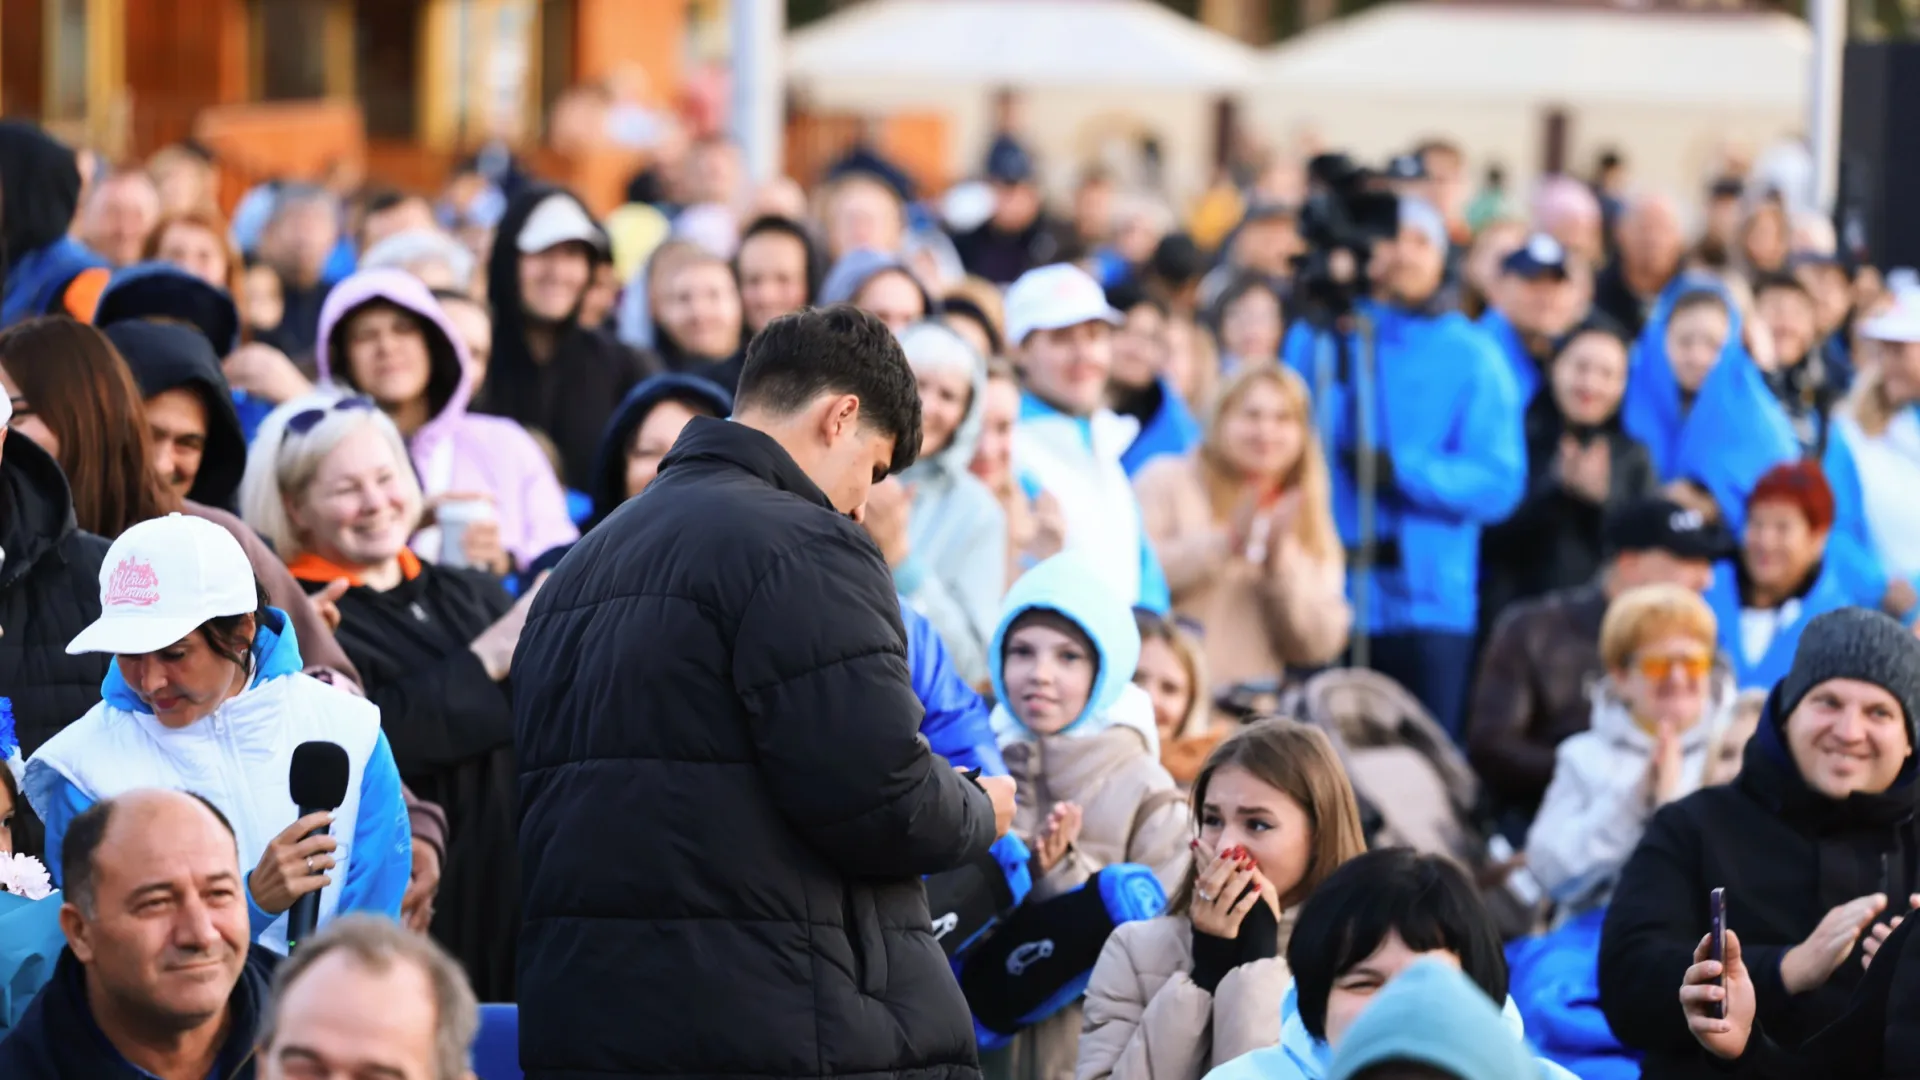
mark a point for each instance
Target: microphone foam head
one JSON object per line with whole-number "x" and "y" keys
{"x": 318, "y": 777}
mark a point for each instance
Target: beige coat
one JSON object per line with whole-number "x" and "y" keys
{"x": 1132, "y": 811}
{"x": 1146, "y": 1020}
{"x": 1289, "y": 610}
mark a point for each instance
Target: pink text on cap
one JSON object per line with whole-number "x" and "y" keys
{"x": 133, "y": 584}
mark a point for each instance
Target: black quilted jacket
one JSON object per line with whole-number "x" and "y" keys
{"x": 726, "y": 804}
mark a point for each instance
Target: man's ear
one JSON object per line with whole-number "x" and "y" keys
{"x": 841, "y": 416}
{"x": 74, "y": 926}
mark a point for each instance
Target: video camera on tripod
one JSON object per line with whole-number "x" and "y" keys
{"x": 1347, "y": 210}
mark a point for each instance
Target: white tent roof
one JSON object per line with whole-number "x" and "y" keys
{"x": 1455, "y": 52}
{"x": 1020, "y": 43}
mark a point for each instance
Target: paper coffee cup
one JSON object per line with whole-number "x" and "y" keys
{"x": 453, "y": 517}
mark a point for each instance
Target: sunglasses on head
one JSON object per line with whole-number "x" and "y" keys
{"x": 307, "y": 419}
{"x": 1658, "y": 669}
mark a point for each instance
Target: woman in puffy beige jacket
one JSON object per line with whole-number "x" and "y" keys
{"x": 1173, "y": 997}
{"x": 1244, "y": 530}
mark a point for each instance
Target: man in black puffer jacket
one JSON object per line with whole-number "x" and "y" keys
{"x": 1814, "y": 842}
{"x": 726, "y": 802}
{"x": 49, "y": 591}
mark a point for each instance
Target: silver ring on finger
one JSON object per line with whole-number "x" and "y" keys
{"x": 1207, "y": 896}
{"x": 309, "y": 865}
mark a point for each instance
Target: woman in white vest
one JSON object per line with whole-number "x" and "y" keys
{"x": 206, "y": 695}
{"x": 1873, "y": 459}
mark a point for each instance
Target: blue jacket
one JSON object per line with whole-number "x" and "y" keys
{"x": 1554, "y": 979}
{"x": 1852, "y": 548}
{"x": 372, "y": 884}
{"x": 1826, "y": 594}
{"x": 1652, "y": 409}
{"x": 1173, "y": 430}
{"x": 1526, "y": 370}
{"x": 36, "y": 279}
{"x": 956, "y": 726}
{"x": 1070, "y": 584}
{"x": 1735, "y": 433}
{"x": 1449, "y": 417}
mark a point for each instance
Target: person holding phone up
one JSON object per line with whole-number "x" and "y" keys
{"x": 1814, "y": 841}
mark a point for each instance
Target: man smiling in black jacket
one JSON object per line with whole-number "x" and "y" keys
{"x": 726, "y": 802}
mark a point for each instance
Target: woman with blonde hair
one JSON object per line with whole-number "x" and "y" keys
{"x": 1244, "y": 530}
{"x": 1173, "y": 672}
{"x": 1656, "y": 716}
{"x": 1173, "y": 997}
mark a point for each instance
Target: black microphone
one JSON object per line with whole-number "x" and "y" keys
{"x": 317, "y": 781}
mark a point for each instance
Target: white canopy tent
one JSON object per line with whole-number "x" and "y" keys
{"x": 1668, "y": 89}
{"x": 1091, "y": 73}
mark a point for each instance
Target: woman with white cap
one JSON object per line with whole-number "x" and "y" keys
{"x": 206, "y": 695}
{"x": 1873, "y": 459}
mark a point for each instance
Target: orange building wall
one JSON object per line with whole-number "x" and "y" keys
{"x": 182, "y": 56}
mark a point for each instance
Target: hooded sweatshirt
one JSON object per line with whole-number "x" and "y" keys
{"x": 1300, "y": 1056}
{"x": 1108, "y": 758}
{"x": 237, "y": 758}
{"x": 151, "y": 290}
{"x": 570, "y": 395}
{"x": 608, "y": 484}
{"x": 860, "y": 266}
{"x": 956, "y": 566}
{"x": 39, "y": 192}
{"x": 641, "y": 329}
{"x": 456, "y": 451}
{"x": 1598, "y": 804}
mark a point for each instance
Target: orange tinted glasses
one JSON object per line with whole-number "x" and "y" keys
{"x": 1657, "y": 669}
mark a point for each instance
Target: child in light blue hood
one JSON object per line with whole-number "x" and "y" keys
{"x": 1372, "y": 919}
{"x": 1079, "y": 740}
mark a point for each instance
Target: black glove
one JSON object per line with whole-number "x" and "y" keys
{"x": 1213, "y": 957}
{"x": 1384, "y": 477}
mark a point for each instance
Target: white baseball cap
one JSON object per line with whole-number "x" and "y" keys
{"x": 1055, "y": 297}
{"x": 558, "y": 219}
{"x": 1901, "y": 322}
{"x": 161, "y": 580}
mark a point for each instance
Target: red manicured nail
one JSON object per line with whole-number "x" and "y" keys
{"x": 1193, "y": 845}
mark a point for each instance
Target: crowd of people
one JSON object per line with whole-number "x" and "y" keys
{"x": 651, "y": 570}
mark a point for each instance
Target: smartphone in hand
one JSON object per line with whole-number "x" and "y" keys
{"x": 1717, "y": 910}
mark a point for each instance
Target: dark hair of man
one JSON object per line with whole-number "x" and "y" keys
{"x": 83, "y": 838}
{"x": 222, "y": 632}
{"x": 1425, "y": 899}
{"x": 1697, "y": 298}
{"x": 1404, "y": 1070}
{"x": 835, "y": 350}
{"x": 1767, "y": 283}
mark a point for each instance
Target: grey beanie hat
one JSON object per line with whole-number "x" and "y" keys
{"x": 1855, "y": 643}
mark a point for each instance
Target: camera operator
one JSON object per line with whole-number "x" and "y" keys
{"x": 1423, "y": 426}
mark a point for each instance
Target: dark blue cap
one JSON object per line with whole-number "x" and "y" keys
{"x": 1008, "y": 162}
{"x": 1541, "y": 256}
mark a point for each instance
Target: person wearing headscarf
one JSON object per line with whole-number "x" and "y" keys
{"x": 549, "y": 373}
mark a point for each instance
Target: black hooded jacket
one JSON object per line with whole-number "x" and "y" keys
{"x": 571, "y": 395}
{"x": 1552, "y": 539}
{"x": 609, "y": 487}
{"x": 1786, "y": 856}
{"x": 165, "y": 357}
{"x": 39, "y": 188}
{"x": 49, "y": 591}
{"x": 726, "y": 802}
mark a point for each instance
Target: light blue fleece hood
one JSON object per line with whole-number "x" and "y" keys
{"x": 275, "y": 654}
{"x": 1070, "y": 584}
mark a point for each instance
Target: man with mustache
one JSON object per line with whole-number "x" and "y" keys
{"x": 157, "y": 979}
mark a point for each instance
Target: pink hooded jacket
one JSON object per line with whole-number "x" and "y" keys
{"x": 457, "y": 450}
